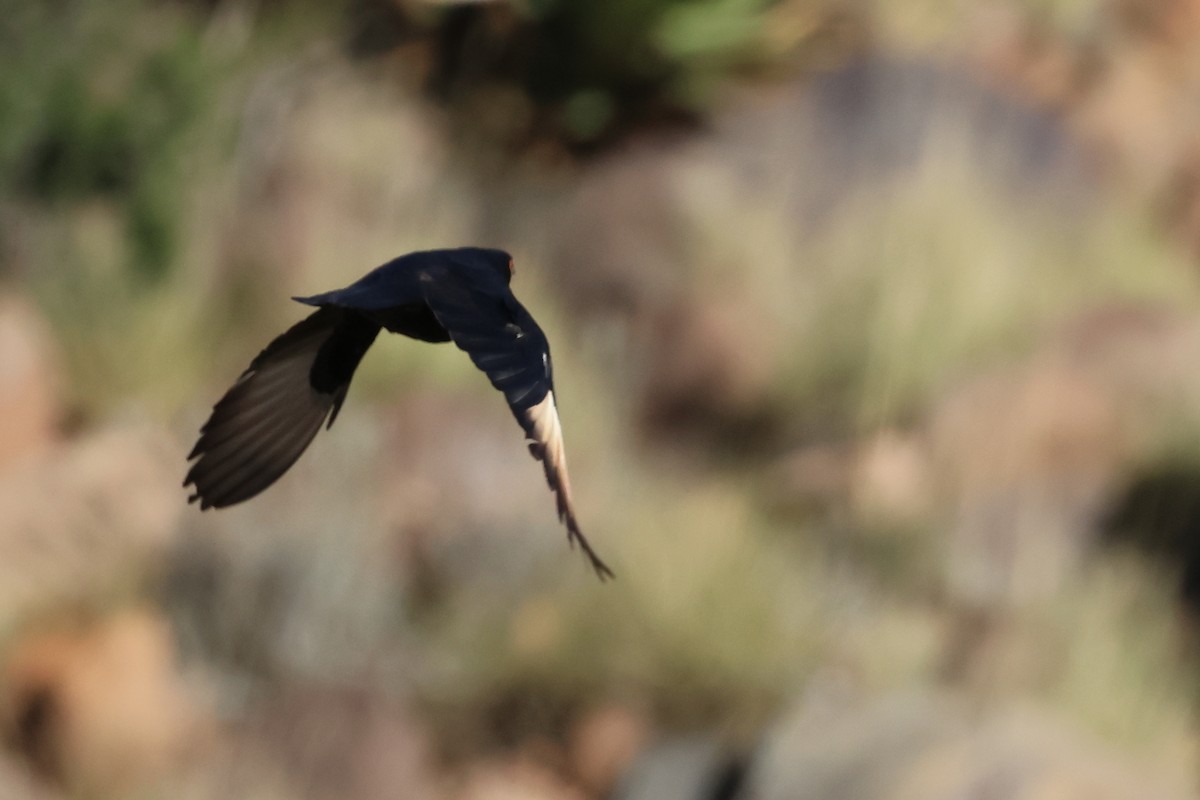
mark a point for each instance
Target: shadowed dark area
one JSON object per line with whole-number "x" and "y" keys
{"x": 1158, "y": 513}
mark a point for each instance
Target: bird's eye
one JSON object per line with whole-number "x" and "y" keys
{"x": 511, "y": 269}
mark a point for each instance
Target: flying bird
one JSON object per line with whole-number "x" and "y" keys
{"x": 271, "y": 414}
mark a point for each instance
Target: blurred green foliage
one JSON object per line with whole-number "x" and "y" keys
{"x": 622, "y": 47}
{"x": 93, "y": 109}
{"x": 112, "y": 116}
{"x": 594, "y": 66}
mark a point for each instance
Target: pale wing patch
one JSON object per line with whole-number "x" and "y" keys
{"x": 545, "y": 432}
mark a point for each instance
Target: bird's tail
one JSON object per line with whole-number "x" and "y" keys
{"x": 267, "y": 419}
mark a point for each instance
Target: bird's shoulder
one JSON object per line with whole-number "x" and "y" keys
{"x": 403, "y": 280}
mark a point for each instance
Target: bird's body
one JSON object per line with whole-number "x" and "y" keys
{"x": 270, "y": 415}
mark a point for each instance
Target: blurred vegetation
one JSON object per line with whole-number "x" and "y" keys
{"x": 927, "y": 320}
{"x": 109, "y": 134}
{"x": 596, "y": 59}
{"x": 171, "y": 172}
{"x": 589, "y": 70}
{"x": 94, "y": 111}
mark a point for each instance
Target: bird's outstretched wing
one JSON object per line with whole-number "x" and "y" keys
{"x": 504, "y": 341}
{"x": 271, "y": 414}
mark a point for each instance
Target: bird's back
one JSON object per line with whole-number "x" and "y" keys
{"x": 398, "y": 282}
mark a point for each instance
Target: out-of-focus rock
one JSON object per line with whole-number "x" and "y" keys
{"x": 620, "y": 236}
{"x": 699, "y": 768}
{"x": 696, "y": 261}
{"x": 1121, "y": 76}
{"x": 1133, "y": 113}
{"x": 100, "y": 706}
{"x": 603, "y": 743}
{"x": 305, "y": 578}
{"x": 1035, "y": 422}
{"x": 1142, "y": 354}
{"x": 832, "y": 752}
{"x": 86, "y": 515}
{"x": 884, "y": 479}
{"x": 621, "y": 262}
{"x": 465, "y": 495}
{"x": 18, "y": 782}
{"x": 30, "y": 383}
{"x": 1024, "y": 755}
{"x": 340, "y": 743}
{"x": 892, "y": 478}
{"x": 1026, "y": 457}
{"x": 1019, "y": 57}
{"x": 813, "y": 479}
{"x": 926, "y": 747}
{"x": 521, "y": 779}
{"x": 338, "y": 174}
{"x": 1023, "y": 459}
{"x": 707, "y": 366}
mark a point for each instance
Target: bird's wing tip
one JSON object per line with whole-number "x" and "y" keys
{"x": 544, "y": 439}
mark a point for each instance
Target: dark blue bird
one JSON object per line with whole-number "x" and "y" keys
{"x": 271, "y": 414}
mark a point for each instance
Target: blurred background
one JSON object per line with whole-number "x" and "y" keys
{"x": 877, "y": 339}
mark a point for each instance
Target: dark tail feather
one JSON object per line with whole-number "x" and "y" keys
{"x": 269, "y": 417}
